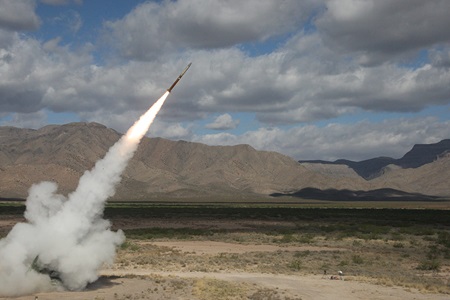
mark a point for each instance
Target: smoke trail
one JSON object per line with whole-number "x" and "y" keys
{"x": 68, "y": 235}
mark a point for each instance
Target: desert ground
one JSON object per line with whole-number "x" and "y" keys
{"x": 271, "y": 253}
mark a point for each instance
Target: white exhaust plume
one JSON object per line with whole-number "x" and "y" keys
{"x": 68, "y": 235}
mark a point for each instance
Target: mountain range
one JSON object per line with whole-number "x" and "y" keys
{"x": 419, "y": 155}
{"x": 164, "y": 169}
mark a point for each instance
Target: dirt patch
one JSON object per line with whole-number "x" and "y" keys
{"x": 267, "y": 259}
{"x": 146, "y": 284}
{"x": 211, "y": 247}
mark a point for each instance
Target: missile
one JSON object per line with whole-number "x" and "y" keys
{"x": 179, "y": 77}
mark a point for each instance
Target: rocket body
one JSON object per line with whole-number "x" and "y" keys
{"x": 179, "y": 77}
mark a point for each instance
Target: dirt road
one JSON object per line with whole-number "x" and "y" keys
{"x": 145, "y": 284}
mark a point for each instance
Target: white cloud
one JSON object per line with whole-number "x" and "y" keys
{"x": 18, "y": 15}
{"x": 302, "y": 81}
{"x": 121, "y": 123}
{"x": 27, "y": 120}
{"x": 170, "y": 131}
{"x": 6, "y": 38}
{"x": 311, "y": 76}
{"x": 29, "y": 71}
{"x": 440, "y": 58}
{"x": 223, "y": 122}
{"x": 381, "y": 30}
{"x": 152, "y": 29}
{"x": 359, "y": 141}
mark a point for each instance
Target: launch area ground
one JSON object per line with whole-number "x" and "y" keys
{"x": 267, "y": 251}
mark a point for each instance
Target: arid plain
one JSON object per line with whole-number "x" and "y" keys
{"x": 272, "y": 251}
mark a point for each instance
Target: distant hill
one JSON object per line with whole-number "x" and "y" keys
{"x": 419, "y": 155}
{"x": 385, "y": 194}
{"x": 164, "y": 169}
{"x": 422, "y": 154}
{"x": 159, "y": 169}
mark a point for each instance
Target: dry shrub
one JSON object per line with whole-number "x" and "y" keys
{"x": 206, "y": 289}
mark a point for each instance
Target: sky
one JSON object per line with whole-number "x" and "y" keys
{"x": 313, "y": 79}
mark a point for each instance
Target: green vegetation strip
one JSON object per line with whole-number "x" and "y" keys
{"x": 357, "y": 216}
{"x": 389, "y": 217}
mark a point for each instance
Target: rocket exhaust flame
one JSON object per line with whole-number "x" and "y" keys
{"x": 68, "y": 235}
{"x": 138, "y": 130}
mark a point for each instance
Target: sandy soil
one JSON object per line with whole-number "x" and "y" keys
{"x": 7, "y": 222}
{"x": 145, "y": 284}
{"x": 211, "y": 247}
{"x": 138, "y": 283}
{"x": 306, "y": 287}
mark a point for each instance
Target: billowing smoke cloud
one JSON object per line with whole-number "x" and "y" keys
{"x": 68, "y": 235}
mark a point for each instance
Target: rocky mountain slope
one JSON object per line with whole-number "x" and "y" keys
{"x": 164, "y": 169}
{"x": 160, "y": 168}
{"x": 432, "y": 178}
{"x": 419, "y": 155}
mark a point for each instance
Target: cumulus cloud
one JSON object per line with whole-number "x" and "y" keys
{"x": 223, "y": 122}
{"x": 31, "y": 120}
{"x": 304, "y": 80}
{"x": 18, "y": 15}
{"x": 381, "y": 29}
{"x": 153, "y": 28}
{"x": 440, "y": 58}
{"x": 359, "y": 141}
{"x": 31, "y": 73}
{"x": 333, "y": 60}
{"x": 36, "y": 75}
{"x": 6, "y": 39}
{"x": 171, "y": 131}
